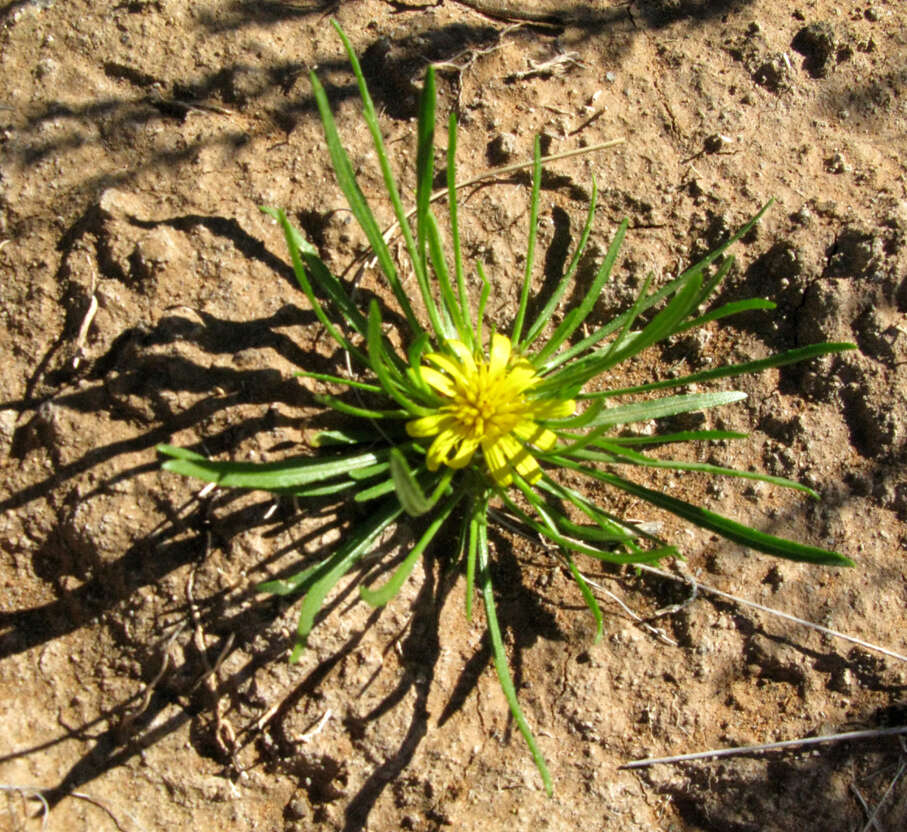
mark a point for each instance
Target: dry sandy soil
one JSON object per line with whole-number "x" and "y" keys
{"x": 144, "y": 684}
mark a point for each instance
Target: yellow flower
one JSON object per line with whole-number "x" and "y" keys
{"x": 487, "y": 406}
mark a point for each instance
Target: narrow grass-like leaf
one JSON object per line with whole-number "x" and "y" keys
{"x": 571, "y": 545}
{"x": 370, "y": 116}
{"x": 779, "y": 360}
{"x": 500, "y": 655}
{"x": 370, "y": 471}
{"x": 517, "y": 331}
{"x": 478, "y": 508}
{"x": 379, "y": 597}
{"x": 362, "y": 412}
{"x": 334, "y": 568}
{"x": 621, "y": 455}
{"x": 483, "y": 299}
{"x": 379, "y": 363}
{"x": 680, "y": 436}
{"x": 299, "y": 582}
{"x": 266, "y": 476}
{"x": 605, "y": 529}
{"x": 728, "y": 309}
{"x": 425, "y": 146}
{"x": 341, "y": 436}
{"x": 343, "y": 169}
{"x": 625, "y": 414}
{"x": 729, "y": 529}
{"x": 712, "y": 256}
{"x": 295, "y": 242}
{"x": 375, "y": 492}
{"x": 468, "y": 332}
{"x": 573, "y": 377}
{"x": 588, "y": 597}
{"x": 450, "y": 307}
{"x": 548, "y": 310}
{"x": 302, "y": 250}
{"x": 574, "y": 321}
{"x": 409, "y": 492}
{"x": 331, "y": 379}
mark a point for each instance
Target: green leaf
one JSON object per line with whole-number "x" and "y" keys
{"x": 409, "y": 492}
{"x": 780, "y": 360}
{"x": 727, "y": 310}
{"x": 331, "y": 379}
{"x": 307, "y": 263}
{"x": 299, "y": 582}
{"x": 478, "y": 508}
{"x": 343, "y": 170}
{"x": 379, "y": 363}
{"x": 620, "y": 455}
{"x": 545, "y": 315}
{"x": 370, "y": 116}
{"x": 573, "y": 321}
{"x": 669, "y": 406}
{"x": 571, "y": 545}
{"x": 729, "y": 529}
{"x": 500, "y": 655}
{"x": 455, "y": 228}
{"x": 361, "y": 412}
{"x": 517, "y": 331}
{"x": 450, "y": 307}
{"x": 588, "y": 597}
{"x": 680, "y": 436}
{"x": 341, "y": 436}
{"x": 320, "y": 583}
{"x": 268, "y": 476}
{"x": 379, "y": 597}
{"x": 425, "y": 131}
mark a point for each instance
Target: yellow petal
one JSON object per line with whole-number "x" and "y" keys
{"x": 553, "y": 408}
{"x": 464, "y": 453}
{"x": 534, "y": 434}
{"x": 500, "y": 354}
{"x": 464, "y": 355}
{"x": 439, "y": 449}
{"x": 429, "y": 425}
{"x": 439, "y": 381}
{"x": 497, "y": 463}
{"x": 519, "y": 458}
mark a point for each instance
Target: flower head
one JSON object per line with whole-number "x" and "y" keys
{"x": 487, "y": 405}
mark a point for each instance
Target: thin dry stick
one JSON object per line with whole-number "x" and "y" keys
{"x": 89, "y": 317}
{"x": 771, "y": 746}
{"x": 862, "y": 801}
{"x": 891, "y": 785}
{"x": 103, "y": 807}
{"x": 762, "y": 608}
{"x": 656, "y": 631}
{"x": 30, "y": 792}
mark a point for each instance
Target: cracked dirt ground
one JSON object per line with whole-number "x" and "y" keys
{"x": 146, "y": 299}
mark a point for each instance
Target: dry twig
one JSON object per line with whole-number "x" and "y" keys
{"x": 773, "y": 746}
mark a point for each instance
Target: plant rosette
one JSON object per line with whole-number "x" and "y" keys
{"x": 464, "y": 425}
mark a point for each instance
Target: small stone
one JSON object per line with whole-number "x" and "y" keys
{"x": 804, "y": 216}
{"x": 502, "y": 148}
{"x": 855, "y": 253}
{"x": 821, "y": 48}
{"x": 297, "y": 809}
{"x": 836, "y": 163}
{"x": 716, "y": 142}
{"x": 774, "y": 73}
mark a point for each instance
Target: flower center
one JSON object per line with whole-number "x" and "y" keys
{"x": 485, "y": 409}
